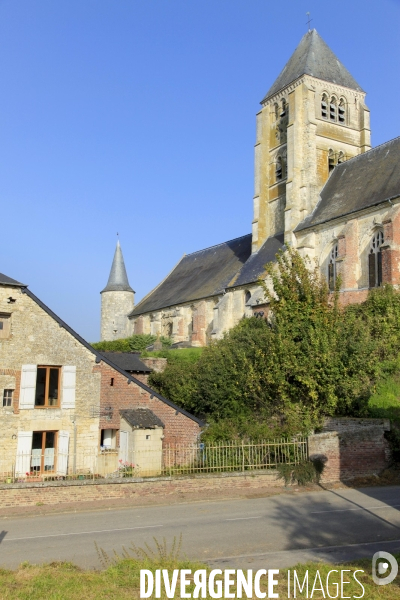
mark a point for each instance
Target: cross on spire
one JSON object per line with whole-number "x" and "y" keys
{"x": 308, "y": 21}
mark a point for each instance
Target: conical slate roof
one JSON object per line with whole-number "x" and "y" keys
{"x": 118, "y": 279}
{"x": 313, "y": 57}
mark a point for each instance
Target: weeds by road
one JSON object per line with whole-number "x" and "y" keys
{"x": 65, "y": 581}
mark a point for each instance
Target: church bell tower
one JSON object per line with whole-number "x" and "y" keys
{"x": 117, "y": 301}
{"x": 312, "y": 118}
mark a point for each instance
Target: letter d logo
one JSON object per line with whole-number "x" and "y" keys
{"x": 382, "y": 567}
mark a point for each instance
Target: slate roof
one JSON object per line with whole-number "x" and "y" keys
{"x": 199, "y": 275}
{"x": 361, "y": 182}
{"x": 128, "y": 361}
{"x": 143, "y": 418}
{"x": 313, "y": 57}
{"x": 4, "y": 280}
{"x": 254, "y": 266}
{"x": 118, "y": 279}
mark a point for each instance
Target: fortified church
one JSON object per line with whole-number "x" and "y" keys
{"x": 318, "y": 187}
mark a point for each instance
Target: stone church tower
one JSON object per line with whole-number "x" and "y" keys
{"x": 117, "y": 301}
{"x": 312, "y": 118}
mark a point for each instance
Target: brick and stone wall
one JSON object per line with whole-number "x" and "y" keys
{"x": 31, "y": 494}
{"x": 351, "y": 448}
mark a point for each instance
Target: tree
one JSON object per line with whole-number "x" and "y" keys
{"x": 309, "y": 359}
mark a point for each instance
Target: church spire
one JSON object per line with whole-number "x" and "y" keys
{"x": 118, "y": 279}
{"x": 313, "y": 57}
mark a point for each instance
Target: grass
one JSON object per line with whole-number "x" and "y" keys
{"x": 181, "y": 354}
{"x": 385, "y": 403}
{"x": 65, "y": 581}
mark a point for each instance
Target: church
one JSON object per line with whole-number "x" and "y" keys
{"x": 318, "y": 187}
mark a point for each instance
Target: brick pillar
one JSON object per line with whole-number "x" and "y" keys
{"x": 391, "y": 250}
{"x": 347, "y": 260}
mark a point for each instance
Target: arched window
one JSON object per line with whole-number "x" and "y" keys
{"x": 332, "y": 109}
{"x": 375, "y": 260}
{"x": 283, "y": 111}
{"x": 247, "y": 296}
{"x": 279, "y": 169}
{"x": 342, "y": 111}
{"x": 276, "y": 109}
{"x": 324, "y": 106}
{"x": 332, "y": 267}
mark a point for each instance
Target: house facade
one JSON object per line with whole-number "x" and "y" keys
{"x": 61, "y": 399}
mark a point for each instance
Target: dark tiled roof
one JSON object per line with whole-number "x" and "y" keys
{"x": 4, "y": 280}
{"x": 128, "y": 361}
{"x": 313, "y": 57}
{"x": 361, "y": 182}
{"x": 199, "y": 275}
{"x": 100, "y": 357}
{"x": 118, "y": 279}
{"x": 143, "y": 418}
{"x": 254, "y": 266}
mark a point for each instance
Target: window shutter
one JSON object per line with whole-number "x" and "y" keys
{"x": 68, "y": 387}
{"x": 379, "y": 268}
{"x": 371, "y": 270}
{"x": 62, "y": 455}
{"x": 24, "y": 450}
{"x": 28, "y": 386}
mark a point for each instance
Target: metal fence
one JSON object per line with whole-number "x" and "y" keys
{"x": 170, "y": 460}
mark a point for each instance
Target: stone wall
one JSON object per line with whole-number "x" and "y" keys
{"x": 115, "y": 307}
{"x": 154, "y": 363}
{"x": 37, "y": 339}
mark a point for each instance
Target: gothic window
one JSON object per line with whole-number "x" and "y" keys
{"x": 375, "y": 260}
{"x": 283, "y": 111}
{"x": 342, "y": 111}
{"x": 332, "y": 268}
{"x": 341, "y": 158}
{"x": 247, "y": 296}
{"x": 276, "y": 109}
{"x": 279, "y": 169}
{"x": 324, "y": 106}
{"x": 333, "y": 109}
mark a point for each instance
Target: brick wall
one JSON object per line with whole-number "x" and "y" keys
{"x": 351, "y": 448}
{"x": 30, "y": 494}
{"x": 122, "y": 395}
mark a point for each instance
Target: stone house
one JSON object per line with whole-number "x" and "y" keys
{"x": 318, "y": 186}
{"x": 61, "y": 399}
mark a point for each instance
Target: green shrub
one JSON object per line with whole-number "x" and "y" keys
{"x": 304, "y": 472}
{"x": 134, "y": 343}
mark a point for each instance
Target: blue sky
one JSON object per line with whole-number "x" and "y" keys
{"x": 138, "y": 116}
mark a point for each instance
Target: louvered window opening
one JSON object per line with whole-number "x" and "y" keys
{"x": 279, "y": 169}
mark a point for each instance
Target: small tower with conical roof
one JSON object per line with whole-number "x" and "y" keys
{"x": 117, "y": 301}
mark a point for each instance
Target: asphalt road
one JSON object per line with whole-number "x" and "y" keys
{"x": 271, "y": 532}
